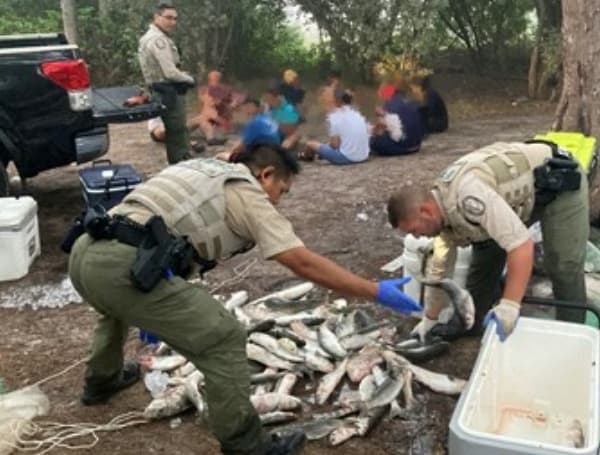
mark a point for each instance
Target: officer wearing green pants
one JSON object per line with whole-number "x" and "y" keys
{"x": 221, "y": 209}
{"x": 486, "y": 198}
{"x": 159, "y": 61}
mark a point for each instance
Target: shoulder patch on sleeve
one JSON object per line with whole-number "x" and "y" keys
{"x": 449, "y": 173}
{"x": 160, "y": 43}
{"x": 473, "y": 208}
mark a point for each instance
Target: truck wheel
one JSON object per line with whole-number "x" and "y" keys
{"x": 4, "y": 184}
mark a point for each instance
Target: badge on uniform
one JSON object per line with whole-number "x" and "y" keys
{"x": 160, "y": 43}
{"x": 473, "y": 208}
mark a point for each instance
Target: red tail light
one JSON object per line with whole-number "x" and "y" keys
{"x": 68, "y": 74}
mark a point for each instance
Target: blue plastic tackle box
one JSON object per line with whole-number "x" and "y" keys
{"x": 107, "y": 184}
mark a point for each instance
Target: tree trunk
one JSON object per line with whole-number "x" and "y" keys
{"x": 579, "y": 105}
{"x": 533, "y": 75}
{"x": 69, "y": 15}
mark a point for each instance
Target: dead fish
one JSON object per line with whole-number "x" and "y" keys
{"x": 272, "y": 418}
{"x": 361, "y": 363}
{"x": 330, "y": 343}
{"x": 272, "y": 345}
{"x": 191, "y": 385}
{"x": 347, "y": 396}
{"x": 316, "y": 362}
{"x": 300, "y": 329}
{"x": 265, "y": 387}
{"x": 266, "y": 376}
{"x": 286, "y": 384}
{"x": 386, "y": 392}
{"x": 162, "y": 363}
{"x": 288, "y": 345}
{"x": 174, "y": 401}
{"x": 304, "y": 316}
{"x": 185, "y": 370}
{"x": 416, "y": 350}
{"x": 270, "y": 402}
{"x": 162, "y": 348}
{"x": 367, "y": 388}
{"x": 346, "y": 410}
{"x": 460, "y": 298}
{"x": 262, "y": 355}
{"x": 441, "y": 383}
{"x": 330, "y": 381}
{"x": 282, "y": 332}
{"x": 291, "y": 306}
{"x": 310, "y": 337}
{"x": 357, "y": 426}
{"x": 291, "y": 293}
{"x": 236, "y": 300}
{"x": 242, "y": 317}
{"x": 359, "y": 341}
{"x": 261, "y": 326}
{"x": 317, "y": 428}
{"x": 409, "y": 398}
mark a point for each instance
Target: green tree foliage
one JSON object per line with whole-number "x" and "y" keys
{"x": 359, "y": 31}
{"x": 487, "y": 28}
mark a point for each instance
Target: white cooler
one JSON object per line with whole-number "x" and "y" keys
{"x": 19, "y": 236}
{"x": 530, "y": 394}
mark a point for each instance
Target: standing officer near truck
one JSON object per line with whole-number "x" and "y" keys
{"x": 131, "y": 266}
{"x": 486, "y": 198}
{"x": 159, "y": 61}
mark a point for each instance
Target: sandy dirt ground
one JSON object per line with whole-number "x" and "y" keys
{"x": 323, "y": 206}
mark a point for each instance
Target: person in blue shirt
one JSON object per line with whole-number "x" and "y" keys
{"x": 399, "y": 129}
{"x": 261, "y": 129}
{"x": 285, "y": 114}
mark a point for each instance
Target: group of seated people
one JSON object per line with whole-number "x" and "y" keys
{"x": 401, "y": 124}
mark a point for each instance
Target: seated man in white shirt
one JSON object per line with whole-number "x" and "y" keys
{"x": 348, "y": 134}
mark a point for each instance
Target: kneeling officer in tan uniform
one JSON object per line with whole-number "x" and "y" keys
{"x": 486, "y": 198}
{"x": 221, "y": 209}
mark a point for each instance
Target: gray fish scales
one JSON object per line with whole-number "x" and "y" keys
{"x": 330, "y": 343}
{"x": 330, "y": 381}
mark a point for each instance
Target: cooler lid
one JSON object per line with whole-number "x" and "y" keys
{"x": 121, "y": 175}
{"x": 15, "y": 211}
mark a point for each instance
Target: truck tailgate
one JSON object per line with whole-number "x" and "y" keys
{"x": 108, "y": 106}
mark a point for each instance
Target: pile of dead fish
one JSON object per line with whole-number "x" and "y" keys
{"x": 306, "y": 349}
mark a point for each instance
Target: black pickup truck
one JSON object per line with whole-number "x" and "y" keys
{"x": 50, "y": 115}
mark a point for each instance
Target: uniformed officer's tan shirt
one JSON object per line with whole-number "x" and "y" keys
{"x": 251, "y": 215}
{"x": 248, "y": 213}
{"x": 159, "y": 58}
{"x": 482, "y": 206}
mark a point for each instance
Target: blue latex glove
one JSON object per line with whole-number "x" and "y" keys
{"x": 505, "y": 315}
{"x": 390, "y": 295}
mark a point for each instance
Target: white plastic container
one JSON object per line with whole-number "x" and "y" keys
{"x": 19, "y": 236}
{"x": 413, "y": 263}
{"x": 525, "y": 393}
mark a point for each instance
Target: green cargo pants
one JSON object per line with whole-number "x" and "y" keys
{"x": 185, "y": 317}
{"x": 177, "y": 138}
{"x": 565, "y": 231}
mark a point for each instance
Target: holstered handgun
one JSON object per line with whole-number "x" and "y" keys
{"x": 160, "y": 255}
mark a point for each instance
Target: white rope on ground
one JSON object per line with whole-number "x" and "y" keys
{"x": 60, "y": 373}
{"x": 240, "y": 272}
{"x": 55, "y": 435}
{"x": 59, "y": 434}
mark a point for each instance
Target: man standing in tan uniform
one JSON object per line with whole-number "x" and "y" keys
{"x": 159, "y": 61}
{"x": 486, "y": 198}
{"x": 221, "y": 209}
